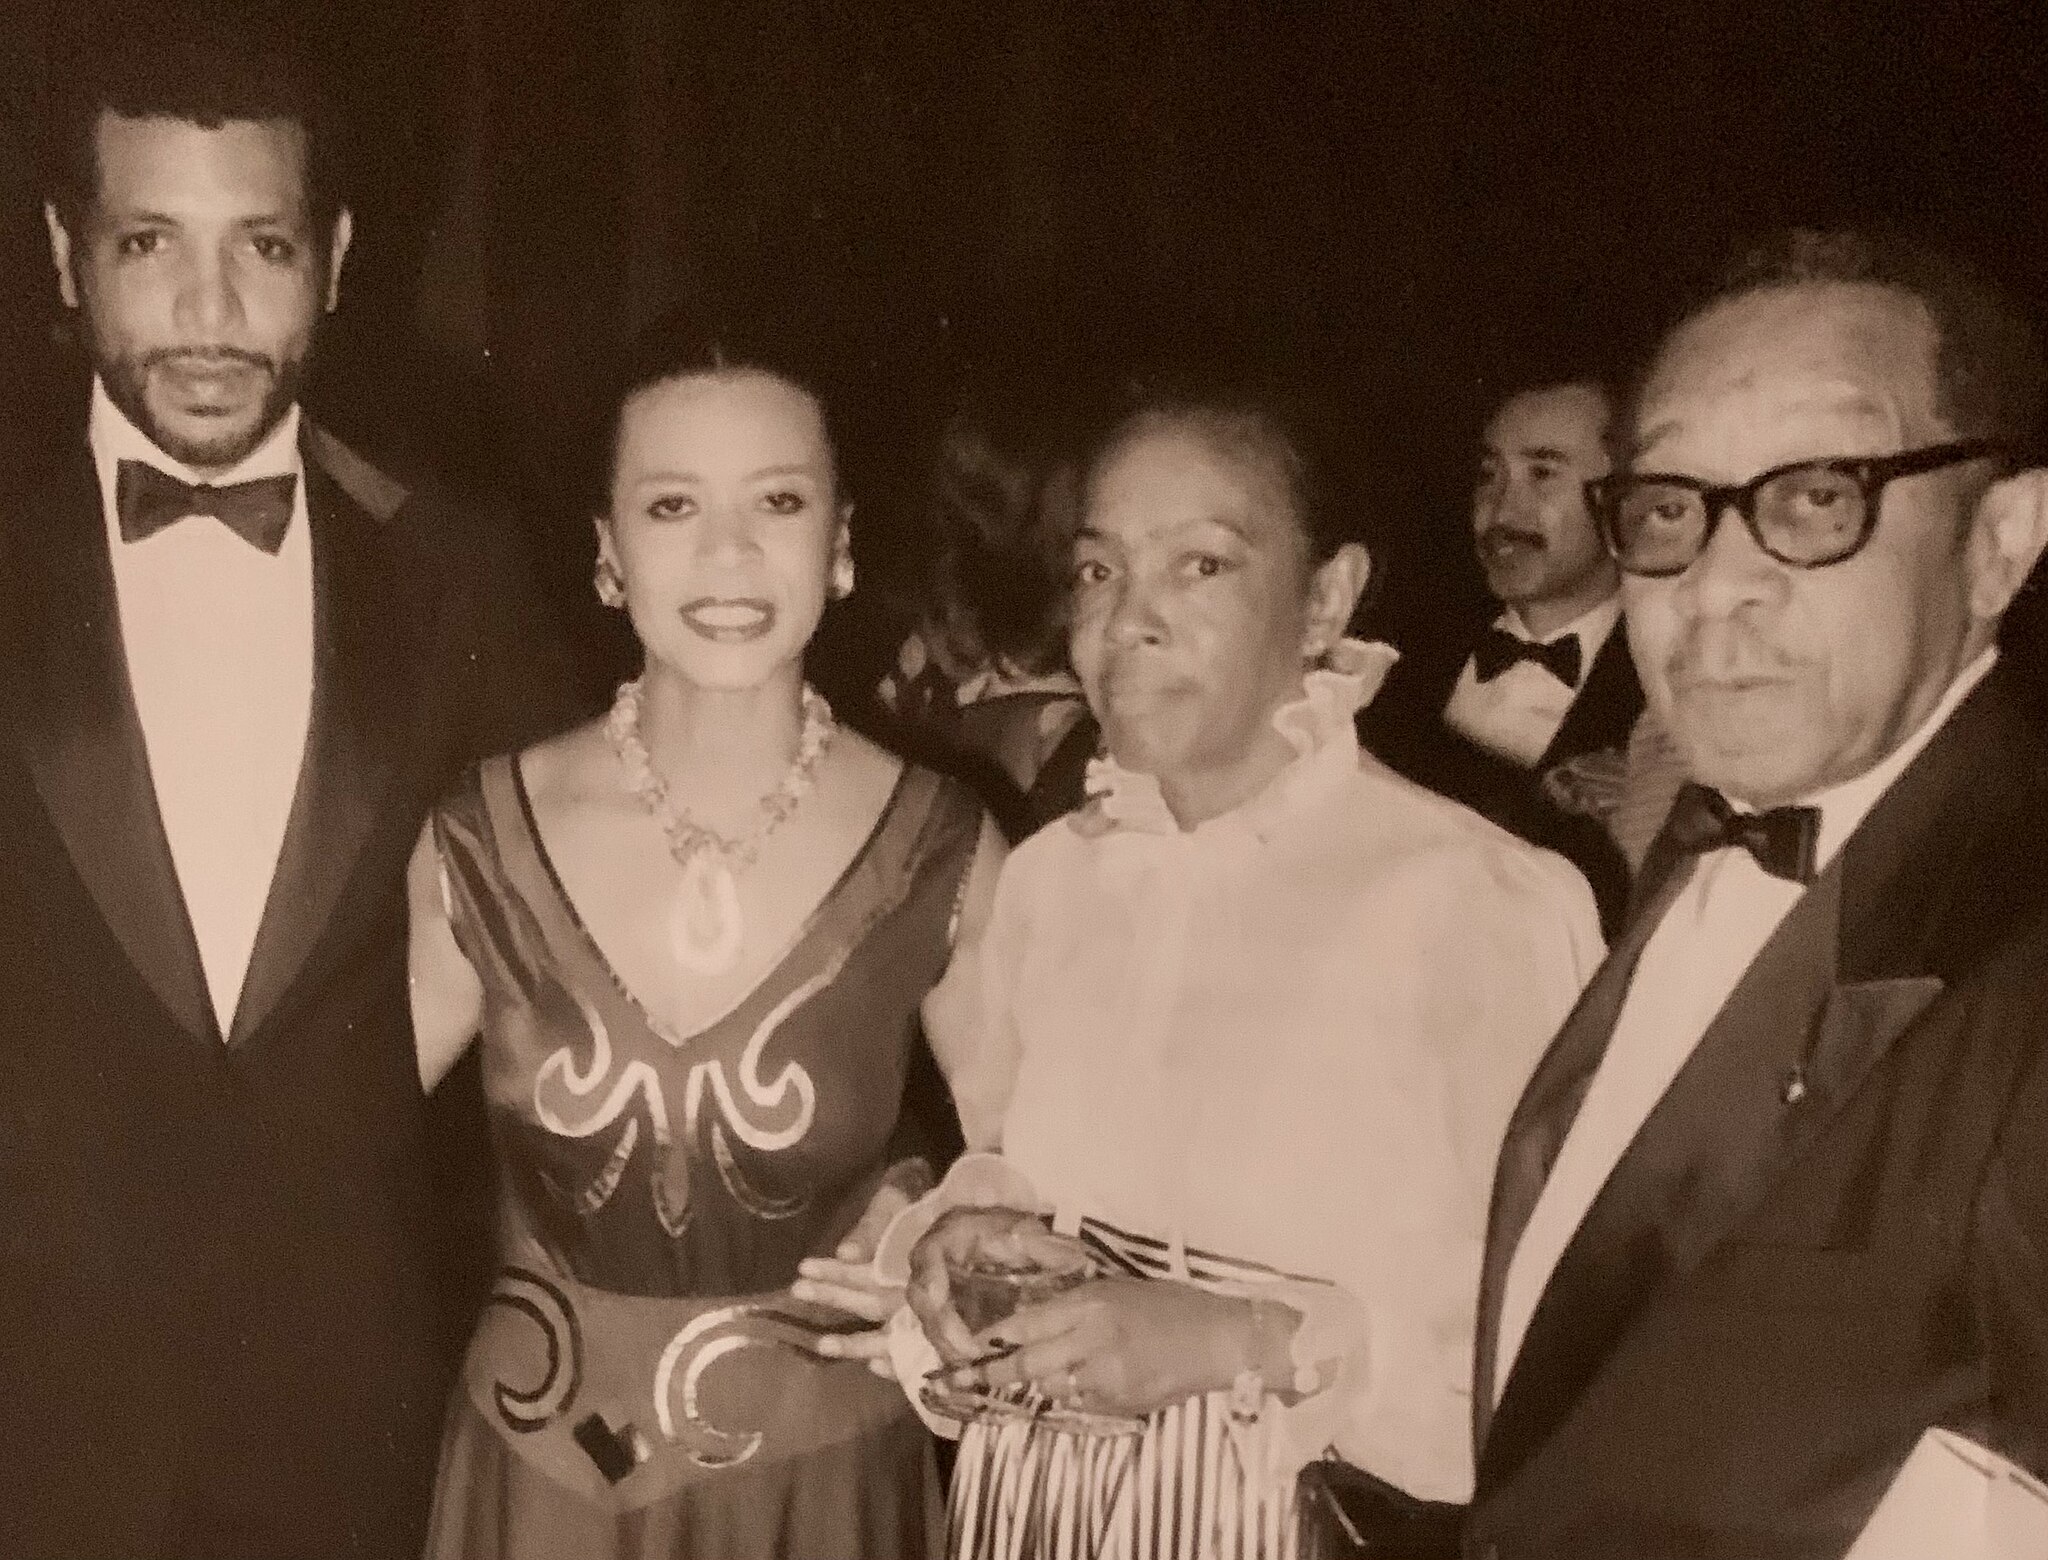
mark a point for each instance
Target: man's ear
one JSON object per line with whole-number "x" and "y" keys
{"x": 337, "y": 251}
{"x": 1333, "y": 593}
{"x": 2007, "y": 534}
{"x": 60, "y": 254}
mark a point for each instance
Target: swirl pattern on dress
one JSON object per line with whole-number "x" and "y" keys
{"x": 694, "y": 1350}
{"x": 527, "y": 1409}
{"x": 560, "y": 1086}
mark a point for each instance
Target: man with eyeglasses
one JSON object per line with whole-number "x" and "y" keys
{"x": 1776, "y": 1201}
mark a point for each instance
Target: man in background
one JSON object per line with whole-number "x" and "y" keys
{"x": 1549, "y": 680}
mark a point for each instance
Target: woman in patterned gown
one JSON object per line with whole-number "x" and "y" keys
{"x": 695, "y": 936}
{"x": 1266, "y": 1007}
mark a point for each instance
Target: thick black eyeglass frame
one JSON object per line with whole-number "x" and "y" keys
{"x": 1871, "y": 474}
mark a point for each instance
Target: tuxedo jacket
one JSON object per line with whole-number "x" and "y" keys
{"x": 1404, "y": 727}
{"x": 1778, "y": 1289}
{"x": 218, "y": 1311}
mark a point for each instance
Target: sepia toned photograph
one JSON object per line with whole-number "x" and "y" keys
{"x": 1054, "y": 780}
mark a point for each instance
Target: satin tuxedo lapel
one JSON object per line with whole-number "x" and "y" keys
{"x": 1701, "y": 1160}
{"x": 355, "y": 741}
{"x": 1537, "y": 1130}
{"x": 76, "y": 723}
{"x": 1868, "y": 948}
{"x": 1605, "y": 710}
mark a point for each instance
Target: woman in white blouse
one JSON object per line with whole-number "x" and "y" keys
{"x": 1251, "y": 1024}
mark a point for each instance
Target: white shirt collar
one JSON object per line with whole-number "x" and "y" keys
{"x": 1843, "y": 807}
{"x": 1591, "y": 626}
{"x": 115, "y": 438}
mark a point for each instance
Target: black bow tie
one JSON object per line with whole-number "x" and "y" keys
{"x": 147, "y": 500}
{"x": 1500, "y": 650}
{"x": 1783, "y": 840}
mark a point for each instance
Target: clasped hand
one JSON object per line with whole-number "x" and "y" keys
{"x": 1112, "y": 1344}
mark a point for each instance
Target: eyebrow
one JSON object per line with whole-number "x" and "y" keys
{"x": 1229, "y": 525}
{"x": 123, "y": 215}
{"x": 797, "y": 469}
{"x": 141, "y": 215}
{"x": 1089, "y": 533}
{"x": 1487, "y": 450}
{"x": 1854, "y": 402}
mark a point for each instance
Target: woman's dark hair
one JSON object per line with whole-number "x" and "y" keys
{"x": 996, "y": 570}
{"x": 1295, "y": 431}
{"x": 683, "y": 345}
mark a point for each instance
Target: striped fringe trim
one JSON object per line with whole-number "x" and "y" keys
{"x": 1177, "y": 1491}
{"x": 1146, "y": 1257}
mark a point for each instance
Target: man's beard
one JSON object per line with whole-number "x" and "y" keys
{"x": 127, "y": 378}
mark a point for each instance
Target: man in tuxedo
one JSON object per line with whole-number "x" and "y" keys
{"x": 1776, "y": 1200}
{"x": 238, "y": 664}
{"x": 1549, "y": 680}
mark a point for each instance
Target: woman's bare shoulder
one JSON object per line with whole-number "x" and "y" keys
{"x": 874, "y": 760}
{"x": 864, "y": 777}
{"x": 570, "y": 768}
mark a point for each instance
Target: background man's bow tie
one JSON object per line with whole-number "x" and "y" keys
{"x": 1500, "y": 650}
{"x": 259, "y": 512}
{"x": 1783, "y": 840}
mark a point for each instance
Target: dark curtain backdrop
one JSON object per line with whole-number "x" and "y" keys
{"x": 1391, "y": 195}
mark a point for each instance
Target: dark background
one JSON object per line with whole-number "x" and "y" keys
{"x": 1393, "y": 196}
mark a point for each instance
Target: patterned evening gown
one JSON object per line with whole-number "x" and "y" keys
{"x": 633, "y": 1388}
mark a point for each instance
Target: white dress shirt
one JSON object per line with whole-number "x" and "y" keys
{"x": 218, "y": 637}
{"x": 1713, "y": 931}
{"x": 1292, "y": 1036}
{"x": 1517, "y": 714}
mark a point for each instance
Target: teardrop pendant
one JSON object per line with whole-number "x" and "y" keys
{"x": 706, "y": 928}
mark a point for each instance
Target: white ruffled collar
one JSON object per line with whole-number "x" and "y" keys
{"x": 1318, "y": 726}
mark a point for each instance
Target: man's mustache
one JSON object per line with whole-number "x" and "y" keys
{"x": 1726, "y": 658}
{"x": 1508, "y": 533}
{"x": 206, "y": 357}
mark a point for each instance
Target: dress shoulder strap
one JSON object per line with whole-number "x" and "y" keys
{"x": 486, "y": 862}
{"x": 918, "y": 854}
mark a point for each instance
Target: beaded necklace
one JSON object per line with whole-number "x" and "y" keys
{"x": 706, "y": 927}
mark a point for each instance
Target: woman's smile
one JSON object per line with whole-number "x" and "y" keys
{"x": 729, "y": 619}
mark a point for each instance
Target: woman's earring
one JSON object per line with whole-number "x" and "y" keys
{"x": 611, "y": 590}
{"x": 842, "y": 576}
